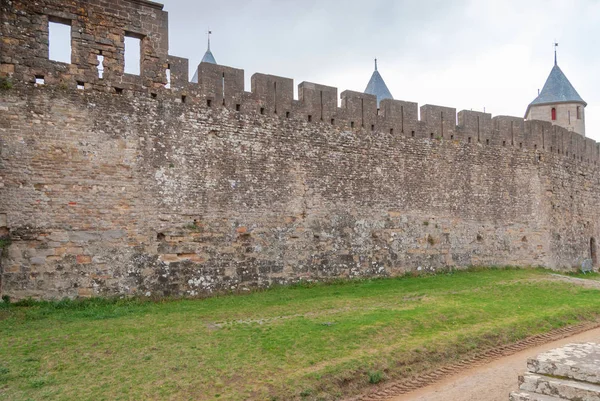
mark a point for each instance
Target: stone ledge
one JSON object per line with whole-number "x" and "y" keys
{"x": 565, "y": 389}
{"x": 525, "y": 396}
{"x": 574, "y": 361}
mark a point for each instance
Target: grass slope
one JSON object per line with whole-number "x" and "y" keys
{"x": 313, "y": 343}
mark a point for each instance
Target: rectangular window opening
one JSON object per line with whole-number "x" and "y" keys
{"x": 118, "y": 91}
{"x": 351, "y": 124}
{"x": 391, "y": 131}
{"x": 168, "y": 74}
{"x": 39, "y": 80}
{"x": 287, "y": 114}
{"x": 133, "y": 54}
{"x": 80, "y": 85}
{"x": 520, "y": 144}
{"x": 451, "y": 137}
{"x": 59, "y": 40}
{"x": 469, "y": 140}
{"x": 100, "y": 66}
{"x": 372, "y": 127}
{"x": 412, "y": 134}
{"x": 238, "y": 107}
{"x": 153, "y": 95}
{"x": 487, "y": 141}
{"x": 209, "y": 102}
{"x": 183, "y": 98}
{"x": 309, "y": 118}
{"x": 262, "y": 110}
{"x": 333, "y": 121}
{"x": 503, "y": 143}
{"x": 431, "y": 135}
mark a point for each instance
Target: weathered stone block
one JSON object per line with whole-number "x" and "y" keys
{"x": 574, "y": 361}
{"x": 524, "y": 396}
{"x": 561, "y": 388}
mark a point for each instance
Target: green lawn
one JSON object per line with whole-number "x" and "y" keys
{"x": 312, "y": 343}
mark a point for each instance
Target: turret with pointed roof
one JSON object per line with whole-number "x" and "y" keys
{"x": 377, "y": 86}
{"x": 208, "y": 58}
{"x": 559, "y": 103}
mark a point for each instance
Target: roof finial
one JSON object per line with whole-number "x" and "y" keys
{"x": 208, "y": 34}
{"x": 555, "y": 46}
{"x": 376, "y": 64}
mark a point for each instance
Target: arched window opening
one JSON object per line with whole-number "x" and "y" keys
{"x": 553, "y": 114}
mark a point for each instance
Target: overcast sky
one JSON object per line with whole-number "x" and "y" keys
{"x": 467, "y": 54}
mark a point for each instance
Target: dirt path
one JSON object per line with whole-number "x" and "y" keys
{"x": 492, "y": 381}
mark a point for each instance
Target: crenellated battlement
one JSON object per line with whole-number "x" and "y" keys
{"x": 26, "y": 27}
{"x": 114, "y": 183}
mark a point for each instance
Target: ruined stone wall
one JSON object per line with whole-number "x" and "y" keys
{"x": 196, "y": 188}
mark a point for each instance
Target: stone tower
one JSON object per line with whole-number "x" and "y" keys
{"x": 377, "y": 87}
{"x": 559, "y": 103}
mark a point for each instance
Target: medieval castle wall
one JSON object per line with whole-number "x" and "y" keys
{"x": 125, "y": 186}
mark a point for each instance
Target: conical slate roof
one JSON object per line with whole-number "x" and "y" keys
{"x": 557, "y": 89}
{"x": 377, "y": 86}
{"x": 208, "y": 58}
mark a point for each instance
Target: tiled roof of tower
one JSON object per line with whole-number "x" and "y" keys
{"x": 377, "y": 86}
{"x": 557, "y": 89}
{"x": 208, "y": 57}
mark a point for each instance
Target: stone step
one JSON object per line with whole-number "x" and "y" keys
{"x": 525, "y": 396}
{"x": 562, "y": 388}
{"x": 573, "y": 361}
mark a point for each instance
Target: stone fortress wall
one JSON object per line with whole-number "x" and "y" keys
{"x": 121, "y": 185}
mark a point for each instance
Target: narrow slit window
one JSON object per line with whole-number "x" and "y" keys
{"x": 100, "y": 67}
{"x": 287, "y": 114}
{"x": 391, "y": 131}
{"x": 332, "y": 121}
{"x": 309, "y": 118}
{"x": 579, "y": 112}
{"x": 238, "y": 107}
{"x": 59, "y": 40}
{"x": 208, "y": 102}
{"x": 168, "y": 74}
{"x": 351, "y": 124}
{"x": 553, "y": 114}
{"x": 372, "y": 127}
{"x": 133, "y": 54}
{"x": 183, "y": 98}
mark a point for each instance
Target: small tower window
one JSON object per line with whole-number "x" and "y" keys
{"x": 553, "y": 114}
{"x": 579, "y": 112}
